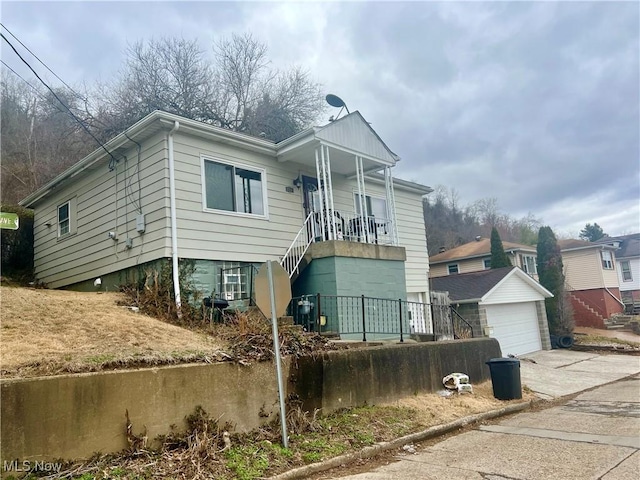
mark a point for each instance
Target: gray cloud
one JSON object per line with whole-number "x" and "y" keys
{"x": 535, "y": 104}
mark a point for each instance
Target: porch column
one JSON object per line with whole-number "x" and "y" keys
{"x": 325, "y": 189}
{"x": 391, "y": 205}
{"x": 362, "y": 200}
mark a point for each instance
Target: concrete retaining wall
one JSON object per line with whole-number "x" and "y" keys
{"x": 74, "y": 416}
{"x": 382, "y": 374}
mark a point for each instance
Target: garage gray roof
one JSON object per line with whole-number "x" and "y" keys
{"x": 469, "y": 286}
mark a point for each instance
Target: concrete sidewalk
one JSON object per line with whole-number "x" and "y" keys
{"x": 556, "y": 373}
{"x": 594, "y": 436}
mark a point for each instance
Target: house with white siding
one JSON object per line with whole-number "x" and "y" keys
{"x": 323, "y": 203}
{"x": 503, "y": 303}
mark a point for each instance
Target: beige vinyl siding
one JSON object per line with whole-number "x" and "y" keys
{"x": 412, "y": 236}
{"x": 88, "y": 252}
{"x": 471, "y": 265}
{"x": 439, "y": 270}
{"x": 209, "y": 235}
{"x": 411, "y": 232}
{"x": 237, "y": 237}
{"x": 610, "y": 276}
{"x": 464, "y": 266}
{"x": 583, "y": 270}
{"x": 514, "y": 289}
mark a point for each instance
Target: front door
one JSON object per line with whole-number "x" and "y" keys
{"x": 311, "y": 202}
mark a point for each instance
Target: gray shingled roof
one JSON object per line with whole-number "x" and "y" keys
{"x": 469, "y": 286}
{"x": 629, "y": 245}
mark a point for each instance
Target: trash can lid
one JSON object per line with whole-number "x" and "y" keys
{"x": 503, "y": 360}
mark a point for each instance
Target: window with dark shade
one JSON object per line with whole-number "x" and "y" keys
{"x": 233, "y": 189}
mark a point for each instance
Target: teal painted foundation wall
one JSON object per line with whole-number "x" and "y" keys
{"x": 354, "y": 277}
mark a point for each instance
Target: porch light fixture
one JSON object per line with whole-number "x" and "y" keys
{"x": 297, "y": 182}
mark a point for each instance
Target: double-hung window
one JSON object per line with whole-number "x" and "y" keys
{"x": 529, "y": 264}
{"x": 452, "y": 268}
{"x": 234, "y": 188}
{"x": 64, "y": 219}
{"x": 626, "y": 271}
{"x": 607, "y": 260}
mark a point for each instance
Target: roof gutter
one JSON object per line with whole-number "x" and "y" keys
{"x": 174, "y": 223}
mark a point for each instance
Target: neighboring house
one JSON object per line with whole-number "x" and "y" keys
{"x": 591, "y": 281}
{"x": 174, "y": 188}
{"x": 505, "y": 303}
{"x": 476, "y": 256}
{"x": 628, "y": 267}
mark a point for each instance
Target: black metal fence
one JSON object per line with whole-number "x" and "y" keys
{"x": 366, "y": 318}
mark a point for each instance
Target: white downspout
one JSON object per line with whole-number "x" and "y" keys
{"x": 174, "y": 226}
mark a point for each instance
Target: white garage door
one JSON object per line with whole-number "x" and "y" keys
{"x": 515, "y": 326}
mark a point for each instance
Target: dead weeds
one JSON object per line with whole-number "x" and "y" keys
{"x": 207, "y": 449}
{"x": 249, "y": 337}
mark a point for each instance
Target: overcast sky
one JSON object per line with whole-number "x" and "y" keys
{"x": 535, "y": 104}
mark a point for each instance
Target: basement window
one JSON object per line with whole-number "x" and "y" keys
{"x": 233, "y": 188}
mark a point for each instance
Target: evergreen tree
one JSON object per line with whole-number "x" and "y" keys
{"x": 499, "y": 258}
{"x": 551, "y": 276}
{"x": 592, "y": 233}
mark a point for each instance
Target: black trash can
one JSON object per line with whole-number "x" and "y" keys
{"x": 505, "y": 377}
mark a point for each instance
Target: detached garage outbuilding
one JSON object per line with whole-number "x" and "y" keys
{"x": 505, "y": 303}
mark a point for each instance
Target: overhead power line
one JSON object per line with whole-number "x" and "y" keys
{"x": 21, "y": 78}
{"x": 45, "y": 65}
{"x": 81, "y": 123}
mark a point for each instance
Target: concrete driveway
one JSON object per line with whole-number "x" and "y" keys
{"x": 594, "y": 436}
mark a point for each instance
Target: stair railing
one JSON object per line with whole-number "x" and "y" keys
{"x": 461, "y": 327}
{"x": 294, "y": 255}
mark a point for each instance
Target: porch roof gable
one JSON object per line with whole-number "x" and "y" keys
{"x": 350, "y": 134}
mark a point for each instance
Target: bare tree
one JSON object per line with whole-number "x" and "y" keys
{"x": 236, "y": 89}
{"x": 39, "y": 137}
{"x": 233, "y": 88}
{"x": 167, "y": 74}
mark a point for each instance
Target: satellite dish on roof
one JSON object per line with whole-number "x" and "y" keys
{"x": 336, "y": 101}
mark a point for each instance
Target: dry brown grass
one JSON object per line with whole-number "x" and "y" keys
{"x": 433, "y": 409}
{"x": 55, "y": 331}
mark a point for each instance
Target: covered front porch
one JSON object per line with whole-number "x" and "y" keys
{"x": 344, "y": 171}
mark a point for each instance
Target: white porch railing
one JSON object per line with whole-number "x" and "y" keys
{"x": 356, "y": 228}
{"x": 299, "y": 246}
{"x": 351, "y": 228}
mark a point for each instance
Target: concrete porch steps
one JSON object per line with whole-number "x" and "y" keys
{"x": 622, "y": 322}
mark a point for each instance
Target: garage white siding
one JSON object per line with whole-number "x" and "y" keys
{"x": 515, "y": 326}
